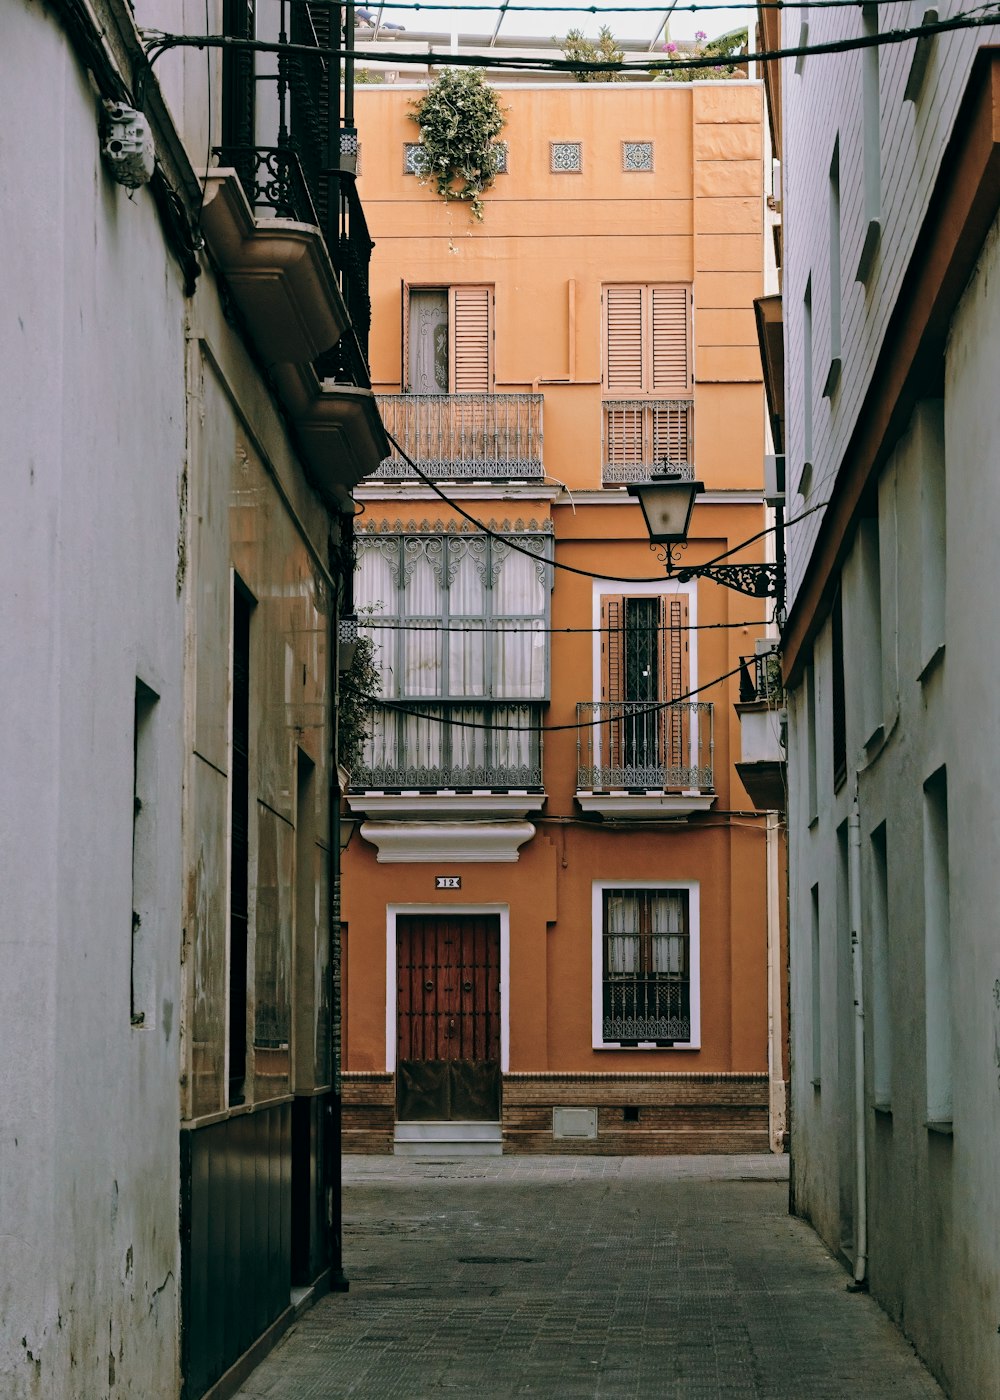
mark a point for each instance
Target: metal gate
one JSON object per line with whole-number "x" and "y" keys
{"x": 448, "y": 1017}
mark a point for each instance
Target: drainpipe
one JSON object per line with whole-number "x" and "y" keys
{"x": 776, "y": 1085}
{"x": 861, "y": 1191}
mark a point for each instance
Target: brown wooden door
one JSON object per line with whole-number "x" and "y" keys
{"x": 448, "y": 1017}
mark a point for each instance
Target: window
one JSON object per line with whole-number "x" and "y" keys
{"x": 805, "y": 480}
{"x": 816, "y": 983}
{"x": 937, "y": 951}
{"x": 837, "y": 695}
{"x": 871, "y": 138}
{"x": 646, "y": 965}
{"x": 811, "y": 728}
{"x": 459, "y": 628}
{"x": 833, "y": 373}
{"x": 239, "y": 859}
{"x": 142, "y": 986}
{"x": 870, "y": 619}
{"x": 448, "y": 340}
{"x": 933, "y": 532}
{"x": 645, "y": 662}
{"x": 647, "y": 378}
{"x": 881, "y": 1012}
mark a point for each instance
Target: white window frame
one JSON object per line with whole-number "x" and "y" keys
{"x": 693, "y": 888}
{"x": 392, "y": 913}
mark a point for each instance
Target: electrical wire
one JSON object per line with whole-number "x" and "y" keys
{"x": 384, "y": 625}
{"x": 653, "y": 708}
{"x": 160, "y": 43}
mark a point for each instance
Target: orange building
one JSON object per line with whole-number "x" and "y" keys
{"x": 555, "y": 903}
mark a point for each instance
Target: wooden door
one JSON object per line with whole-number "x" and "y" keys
{"x": 448, "y": 1017}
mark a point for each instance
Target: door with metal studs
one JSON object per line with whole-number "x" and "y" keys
{"x": 448, "y": 1018}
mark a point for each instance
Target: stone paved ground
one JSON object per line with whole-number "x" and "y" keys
{"x": 635, "y": 1278}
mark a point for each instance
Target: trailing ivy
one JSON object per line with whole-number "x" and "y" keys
{"x": 460, "y": 118}
{"x": 360, "y": 686}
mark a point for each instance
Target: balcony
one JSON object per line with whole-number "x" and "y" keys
{"x": 637, "y": 760}
{"x": 465, "y": 437}
{"x": 762, "y": 731}
{"x": 640, "y": 436}
{"x": 459, "y": 792}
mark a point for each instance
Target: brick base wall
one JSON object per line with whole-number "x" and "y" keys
{"x": 368, "y": 1112}
{"x": 676, "y": 1113}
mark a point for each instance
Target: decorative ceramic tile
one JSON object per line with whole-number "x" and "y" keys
{"x": 637, "y": 155}
{"x": 415, "y": 159}
{"x": 503, "y": 152}
{"x": 565, "y": 157}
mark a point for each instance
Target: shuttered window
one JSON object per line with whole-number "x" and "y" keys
{"x": 448, "y": 339}
{"x": 644, "y": 670}
{"x": 647, "y": 342}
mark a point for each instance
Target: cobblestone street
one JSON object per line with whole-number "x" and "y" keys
{"x": 625, "y": 1278}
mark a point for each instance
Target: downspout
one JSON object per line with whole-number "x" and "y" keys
{"x": 776, "y": 1084}
{"x": 861, "y": 1191}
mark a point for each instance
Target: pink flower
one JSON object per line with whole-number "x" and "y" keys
{"x": 700, "y": 35}
{"x": 669, "y": 48}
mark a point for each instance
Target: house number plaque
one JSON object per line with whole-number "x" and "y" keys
{"x": 447, "y": 882}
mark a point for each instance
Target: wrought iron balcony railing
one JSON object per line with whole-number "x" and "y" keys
{"x": 494, "y": 744}
{"x": 634, "y": 745}
{"x": 760, "y": 679}
{"x": 306, "y": 170}
{"x": 641, "y": 436}
{"x": 465, "y": 436}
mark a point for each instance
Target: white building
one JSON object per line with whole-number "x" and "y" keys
{"x": 173, "y": 560}
{"x": 891, "y": 300}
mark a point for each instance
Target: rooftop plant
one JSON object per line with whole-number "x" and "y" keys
{"x": 460, "y": 118}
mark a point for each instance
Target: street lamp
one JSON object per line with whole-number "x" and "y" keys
{"x": 667, "y": 500}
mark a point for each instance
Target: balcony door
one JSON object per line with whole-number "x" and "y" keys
{"x": 448, "y": 335}
{"x": 645, "y": 671}
{"x": 448, "y": 1018}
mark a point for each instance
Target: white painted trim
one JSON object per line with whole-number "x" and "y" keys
{"x": 618, "y": 496}
{"x": 693, "y": 888}
{"x": 456, "y": 843}
{"x": 446, "y": 804}
{"x": 645, "y": 804}
{"x": 392, "y": 912}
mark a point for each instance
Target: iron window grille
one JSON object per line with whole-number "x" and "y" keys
{"x": 646, "y": 959}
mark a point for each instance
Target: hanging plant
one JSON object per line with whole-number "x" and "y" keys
{"x": 460, "y": 117}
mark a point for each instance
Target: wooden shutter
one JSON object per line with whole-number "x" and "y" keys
{"x": 624, "y": 342}
{"x": 670, "y": 318}
{"x": 608, "y": 736}
{"x": 675, "y": 674}
{"x": 472, "y": 340}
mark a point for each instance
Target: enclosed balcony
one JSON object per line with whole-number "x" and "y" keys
{"x": 641, "y": 436}
{"x": 465, "y": 437}
{"x": 451, "y": 759}
{"x": 645, "y": 760}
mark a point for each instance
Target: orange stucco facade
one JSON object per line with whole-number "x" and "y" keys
{"x": 550, "y": 245}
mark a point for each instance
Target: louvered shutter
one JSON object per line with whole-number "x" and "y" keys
{"x": 404, "y": 360}
{"x": 609, "y": 736}
{"x": 472, "y": 340}
{"x": 675, "y": 675}
{"x": 670, "y": 320}
{"x": 624, "y": 342}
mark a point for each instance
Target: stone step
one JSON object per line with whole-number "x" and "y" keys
{"x": 448, "y": 1139}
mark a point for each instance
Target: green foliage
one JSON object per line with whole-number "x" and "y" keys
{"x": 579, "y": 49}
{"x": 367, "y": 77}
{"x": 359, "y": 687}
{"x": 727, "y": 49}
{"x": 460, "y": 117}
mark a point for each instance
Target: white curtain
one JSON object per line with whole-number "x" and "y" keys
{"x": 429, "y": 342}
{"x": 374, "y": 596}
{"x": 422, "y": 648}
{"x": 466, "y": 607}
{"x": 518, "y": 646}
{"x": 623, "y": 936}
{"x": 668, "y": 914}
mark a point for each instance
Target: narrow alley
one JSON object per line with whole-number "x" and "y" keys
{"x": 564, "y": 1277}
